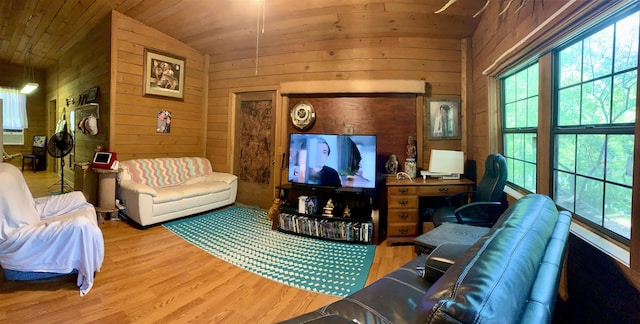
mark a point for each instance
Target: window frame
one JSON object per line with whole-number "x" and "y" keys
{"x": 519, "y": 130}
{"x": 547, "y": 103}
{"x": 588, "y": 129}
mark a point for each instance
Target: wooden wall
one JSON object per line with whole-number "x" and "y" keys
{"x": 437, "y": 61}
{"x": 134, "y": 116}
{"x": 367, "y": 114}
{"x": 494, "y": 37}
{"x": 12, "y": 76}
{"x": 84, "y": 66}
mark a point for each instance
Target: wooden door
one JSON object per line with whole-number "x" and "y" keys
{"x": 254, "y": 147}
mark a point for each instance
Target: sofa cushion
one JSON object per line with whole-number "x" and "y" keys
{"x": 388, "y": 300}
{"x": 481, "y": 285}
{"x": 441, "y": 259}
{"x": 203, "y": 188}
{"x": 167, "y": 194}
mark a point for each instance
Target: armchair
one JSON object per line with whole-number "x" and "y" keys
{"x": 483, "y": 206}
{"x": 47, "y": 236}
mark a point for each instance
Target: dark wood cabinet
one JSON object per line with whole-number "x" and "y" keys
{"x": 303, "y": 207}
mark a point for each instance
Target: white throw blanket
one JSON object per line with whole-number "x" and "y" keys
{"x": 49, "y": 234}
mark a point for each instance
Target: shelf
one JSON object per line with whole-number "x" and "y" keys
{"x": 359, "y": 228}
{"x": 294, "y": 210}
{"x": 87, "y": 110}
{"x": 322, "y": 238}
{"x": 329, "y": 228}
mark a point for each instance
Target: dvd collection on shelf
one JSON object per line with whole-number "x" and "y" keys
{"x": 327, "y": 228}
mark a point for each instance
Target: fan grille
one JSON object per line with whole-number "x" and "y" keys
{"x": 60, "y": 144}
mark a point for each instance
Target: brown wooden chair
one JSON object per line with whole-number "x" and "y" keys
{"x": 38, "y": 153}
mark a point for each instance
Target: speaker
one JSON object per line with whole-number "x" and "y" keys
{"x": 470, "y": 170}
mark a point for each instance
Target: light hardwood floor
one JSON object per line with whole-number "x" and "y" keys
{"x": 152, "y": 276}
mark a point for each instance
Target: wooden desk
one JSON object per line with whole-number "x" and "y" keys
{"x": 403, "y": 203}
{"x": 86, "y": 181}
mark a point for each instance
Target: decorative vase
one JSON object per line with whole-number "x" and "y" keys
{"x": 410, "y": 167}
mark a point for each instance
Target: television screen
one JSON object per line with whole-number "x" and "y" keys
{"x": 333, "y": 160}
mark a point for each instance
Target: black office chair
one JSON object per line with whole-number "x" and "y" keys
{"x": 483, "y": 206}
{"x": 38, "y": 156}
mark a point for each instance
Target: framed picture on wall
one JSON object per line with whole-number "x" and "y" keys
{"x": 444, "y": 119}
{"x": 93, "y": 94}
{"x": 163, "y": 74}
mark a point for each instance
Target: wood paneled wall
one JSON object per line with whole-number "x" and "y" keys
{"x": 134, "y": 116}
{"x": 367, "y": 114}
{"x": 437, "y": 61}
{"x": 84, "y": 66}
{"x": 12, "y": 76}
{"x": 493, "y": 37}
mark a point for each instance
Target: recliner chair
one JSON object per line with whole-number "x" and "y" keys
{"x": 483, "y": 206}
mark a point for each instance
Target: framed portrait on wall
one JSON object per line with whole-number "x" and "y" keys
{"x": 444, "y": 119}
{"x": 163, "y": 74}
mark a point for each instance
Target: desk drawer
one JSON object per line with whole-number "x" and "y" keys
{"x": 400, "y": 190}
{"x": 444, "y": 190}
{"x": 402, "y": 229}
{"x": 403, "y": 215}
{"x": 403, "y": 202}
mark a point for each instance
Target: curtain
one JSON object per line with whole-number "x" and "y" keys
{"x": 14, "y": 109}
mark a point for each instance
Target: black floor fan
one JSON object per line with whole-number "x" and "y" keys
{"x": 59, "y": 146}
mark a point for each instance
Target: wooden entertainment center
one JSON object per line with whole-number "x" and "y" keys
{"x": 359, "y": 226}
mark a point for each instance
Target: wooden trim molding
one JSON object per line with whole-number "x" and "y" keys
{"x": 353, "y": 86}
{"x": 466, "y": 92}
{"x": 569, "y": 20}
{"x": 544, "y": 142}
{"x": 635, "y": 200}
{"x": 495, "y": 120}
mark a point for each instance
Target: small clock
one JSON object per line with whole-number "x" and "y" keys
{"x": 303, "y": 115}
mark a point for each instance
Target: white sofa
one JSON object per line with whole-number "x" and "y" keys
{"x": 162, "y": 189}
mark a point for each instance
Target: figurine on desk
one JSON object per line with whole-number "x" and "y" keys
{"x": 411, "y": 148}
{"x": 391, "y": 167}
{"x": 410, "y": 163}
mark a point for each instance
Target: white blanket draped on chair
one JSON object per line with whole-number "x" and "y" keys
{"x": 48, "y": 234}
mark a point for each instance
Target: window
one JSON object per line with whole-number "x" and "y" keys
{"x": 14, "y": 109}
{"x": 520, "y": 126}
{"x": 593, "y": 88}
{"x": 593, "y": 134}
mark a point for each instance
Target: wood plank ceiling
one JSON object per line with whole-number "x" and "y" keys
{"x": 39, "y": 32}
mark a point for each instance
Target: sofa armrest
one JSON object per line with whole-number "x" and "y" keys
{"x": 138, "y": 188}
{"x": 221, "y": 176}
{"x": 440, "y": 259}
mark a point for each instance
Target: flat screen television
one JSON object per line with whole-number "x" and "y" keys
{"x": 332, "y": 160}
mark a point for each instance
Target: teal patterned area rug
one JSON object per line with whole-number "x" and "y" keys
{"x": 243, "y": 237}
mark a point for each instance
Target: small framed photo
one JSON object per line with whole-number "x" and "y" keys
{"x": 444, "y": 119}
{"x": 163, "y": 74}
{"x": 93, "y": 94}
{"x": 39, "y": 141}
{"x": 164, "y": 122}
